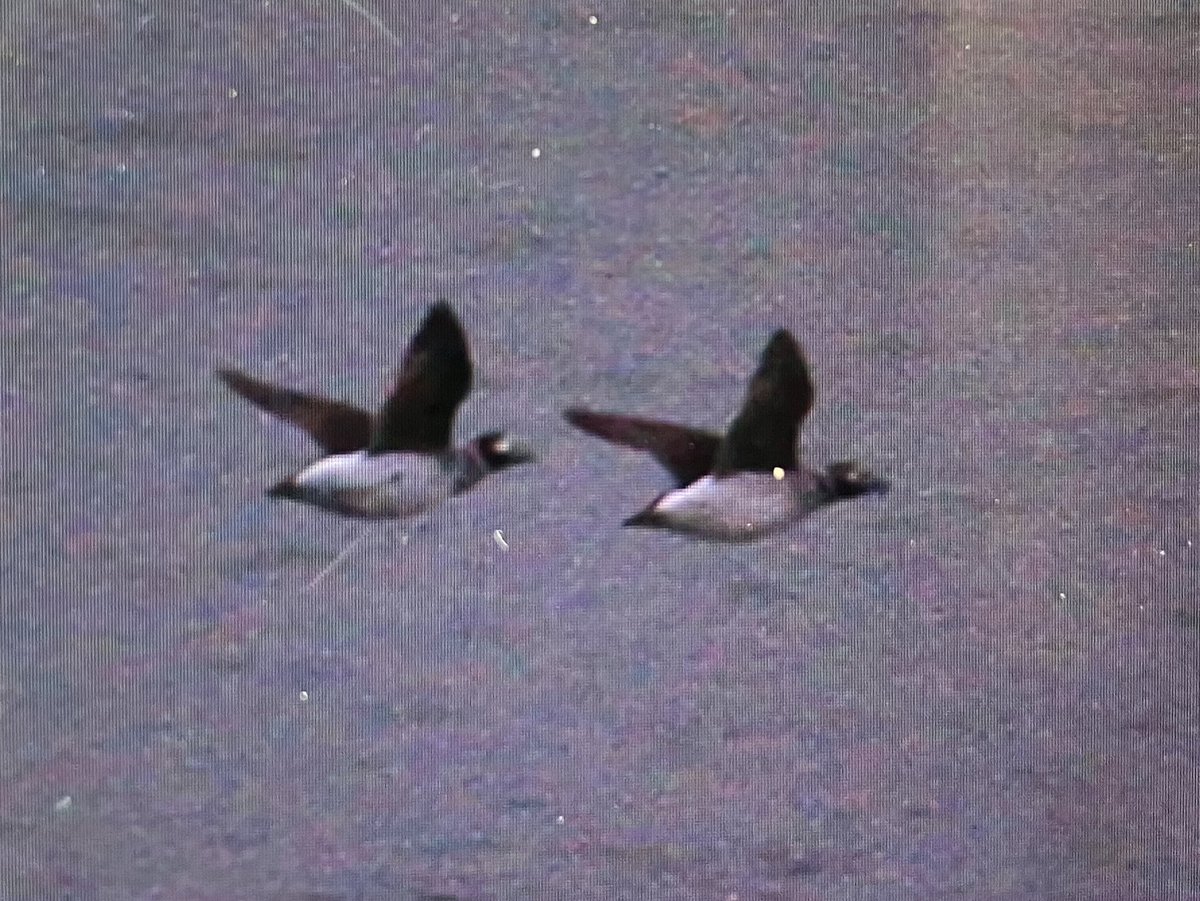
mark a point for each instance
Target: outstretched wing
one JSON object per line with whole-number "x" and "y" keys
{"x": 337, "y": 427}
{"x": 763, "y": 435}
{"x": 433, "y": 380}
{"x": 687, "y": 453}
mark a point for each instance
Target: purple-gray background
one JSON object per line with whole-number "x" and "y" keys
{"x": 982, "y": 224}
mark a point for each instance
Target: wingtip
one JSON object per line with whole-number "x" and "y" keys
{"x": 441, "y": 311}
{"x": 235, "y": 380}
{"x": 440, "y": 324}
{"x": 434, "y": 379}
{"x": 783, "y": 359}
{"x": 783, "y": 341}
{"x": 442, "y": 328}
{"x": 598, "y": 424}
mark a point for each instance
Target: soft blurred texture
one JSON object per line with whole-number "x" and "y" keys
{"x": 980, "y": 219}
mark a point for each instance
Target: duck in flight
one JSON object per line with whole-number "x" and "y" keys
{"x": 399, "y": 462}
{"x": 749, "y": 482}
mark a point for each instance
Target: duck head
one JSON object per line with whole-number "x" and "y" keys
{"x": 846, "y": 479}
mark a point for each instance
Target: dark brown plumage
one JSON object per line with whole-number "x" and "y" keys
{"x": 418, "y": 415}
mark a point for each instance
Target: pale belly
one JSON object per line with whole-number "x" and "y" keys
{"x": 739, "y": 508}
{"x": 386, "y": 486}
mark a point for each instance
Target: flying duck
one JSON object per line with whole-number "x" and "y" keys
{"x": 399, "y": 462}
{"x": 748, "y": 483}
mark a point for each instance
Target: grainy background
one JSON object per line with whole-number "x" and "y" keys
{"x": 980, "y": 219}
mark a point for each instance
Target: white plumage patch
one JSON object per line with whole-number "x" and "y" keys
{"x": 737, "y": 507}
{"x": 376, "y": 485}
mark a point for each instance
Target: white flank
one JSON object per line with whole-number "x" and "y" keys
{"x": 736, "y": 507}
{"x": 376, "y": 485}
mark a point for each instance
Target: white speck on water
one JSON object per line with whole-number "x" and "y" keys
{"x": 593, "y": 20}
{"x": 536, "y": 152}
{"x": 303, "y": 695}
{"x": 63, "y": 804}
{"x": 499, "y": 538}
{"x": 561, "y": 819}
{"x": 454, "y": 18}
{"x": 968, "y": 47}
{"x": 1062, "y": 595}
{"x": 1162, "y": 552}
{"x": 778, "y": 473}
{"x": 231, "y": 93}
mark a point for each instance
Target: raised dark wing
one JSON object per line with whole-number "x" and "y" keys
{"x": 433, "y": 380}
{"x": 763, "y": 435}
{"x": 337, "y": 427}
{"x": 687, "y": 453}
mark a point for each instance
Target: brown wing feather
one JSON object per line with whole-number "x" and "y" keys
{"x": 687, "y": 453}
{"x": 337, "y": 427}
{"x": 433, "y": 380}
{"x": 764, "y": 433}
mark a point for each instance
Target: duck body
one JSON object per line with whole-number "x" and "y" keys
{"x": 372, "y": 486}
{"x": 738, "y": 508}
{"x": 390, "y": 485}
{"x": 399, "y": 462}
{"x": 749, "y": 482}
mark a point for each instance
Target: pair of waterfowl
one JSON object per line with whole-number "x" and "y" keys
{"x": 400, "y": 462}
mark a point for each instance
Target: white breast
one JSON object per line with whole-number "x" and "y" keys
{"x": 376, "y": 485}
{"x": 737, "y": 507}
